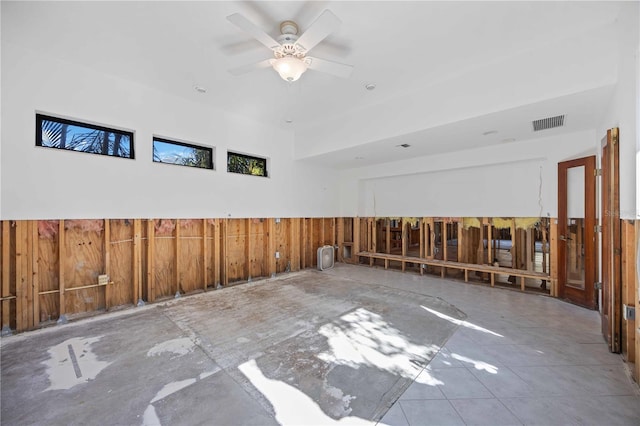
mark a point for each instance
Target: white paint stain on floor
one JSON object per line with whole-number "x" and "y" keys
{"x": 178, "y": 347}
{"x": 292, "y": 406}
{"x": 72, "y": 362}
{"x": 150, "y": 416}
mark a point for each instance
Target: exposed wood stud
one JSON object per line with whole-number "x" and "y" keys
{"x": 303, "y": 244}
{"x": 340, "y": 239}
{"x": 176, "y": 259}
{"x": 271, "y": 247}
{"x": 107, "y": 259}
{"x": 356, "y": 239}
{"x": 205, "y": 255}
{"x": 137, "y": 262}
{"x": 247, "y": 250}
{"x": 6, "y": 250}
{"x": 35, "y": 272}
{"x": 217, "y": 261}
{"x": 151, "y": 273}
{"x": 553, "y": 246}
{"x": 62, "y": 256}
{"x": 405, "y": 241}
{"x": 224, "y": 271}
{"x": 388, "y": 237}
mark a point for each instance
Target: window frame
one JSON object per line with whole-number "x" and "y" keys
{"x": 250, "y": 157}
{"x": 162, "y": 139}
{"x": 40, "y": 117}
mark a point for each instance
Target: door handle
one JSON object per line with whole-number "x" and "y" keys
{"x": 563, "y": 238}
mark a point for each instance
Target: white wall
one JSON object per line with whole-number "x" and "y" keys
{"x": 623, "y": 111}
{"x": 516, "y": 179}
{"x": 43, "y": 183}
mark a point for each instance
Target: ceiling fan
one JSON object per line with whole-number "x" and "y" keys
{"x": 290, "y": 50}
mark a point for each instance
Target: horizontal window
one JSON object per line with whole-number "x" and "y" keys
{"x": 60, "y": 133}
{"x": 182, "y": 154}
{"x": 246, "y": 164}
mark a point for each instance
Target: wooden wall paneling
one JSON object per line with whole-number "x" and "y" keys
{"x": 629, "y": 257}
{"x": 151, "y": 272}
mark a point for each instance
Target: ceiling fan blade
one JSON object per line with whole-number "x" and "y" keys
{"x": 251, "y": 67}
{"x": 244, "y": 24}
{"x": 326, "y": 23}
{"x": 330, "y": 67}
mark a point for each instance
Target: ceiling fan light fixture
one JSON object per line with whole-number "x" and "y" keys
{"x": 289, "y": 67}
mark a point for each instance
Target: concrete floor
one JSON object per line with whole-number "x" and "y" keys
{"x": 352, "y": 345}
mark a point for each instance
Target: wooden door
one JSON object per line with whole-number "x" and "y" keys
{"x": 576, "y": 231}
{"x": 611, "y": 242}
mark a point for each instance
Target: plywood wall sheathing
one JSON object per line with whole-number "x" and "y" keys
{"x": 282, "y": 236}
{"x": 163, "y": 259}
{"x": 82, "y": 263}
{"x": 190, "y": 256}
{"x": 119, "y": 267}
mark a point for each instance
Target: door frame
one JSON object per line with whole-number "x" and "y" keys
{"x": 611, "y": 312}
{"x": 587, "y": 297}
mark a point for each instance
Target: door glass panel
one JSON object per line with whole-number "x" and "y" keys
{"x": 575, "y": 227}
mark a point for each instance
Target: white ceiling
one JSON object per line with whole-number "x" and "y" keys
{"x": 402, "y": 47}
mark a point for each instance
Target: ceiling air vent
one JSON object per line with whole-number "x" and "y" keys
{"x": 548, "y": 123}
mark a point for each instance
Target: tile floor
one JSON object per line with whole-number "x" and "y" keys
{"x": 518, "y": 359}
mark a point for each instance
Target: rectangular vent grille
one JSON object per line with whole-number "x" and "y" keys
{"x": 548, "y": 123}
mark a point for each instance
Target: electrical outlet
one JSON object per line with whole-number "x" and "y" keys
{"x": 277, "y": 255}
{"x": 277, "y": 220}
{"x": 628, "y": 313}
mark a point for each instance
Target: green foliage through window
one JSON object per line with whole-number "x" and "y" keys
{"x": 183, "y": 154}
{"x": 246, "y": 164}
{"x": 53, "y": 132}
